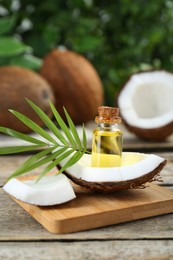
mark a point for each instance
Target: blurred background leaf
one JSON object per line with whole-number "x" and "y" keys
{"x": 27, "y": 61}
{"x": 118, "y": 37}
{"x": 6, "y": 24}
{"x": 11, "y": 47}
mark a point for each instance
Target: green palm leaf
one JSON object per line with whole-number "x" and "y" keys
{"x": 32, "y": 125}
{"x": 30, "y": 162}
{"x": 48, "y": 122}
{"x": 19, "y": 135}
{"x": 19, "y": 149}
{"x": 73, "y": 129}
{"x": 84, "y": 138}
{"x": 69, "y": 146}
{"x": 55, "y": 163}
{"x": 63, "y": 126}
{"x": 38, "y": 163}
{"x": 48, "y": 159}
{"x": 75, "y": 158}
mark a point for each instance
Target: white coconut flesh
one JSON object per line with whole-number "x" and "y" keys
{"x": 133, "y": 165}
{"x": 146, "y": 101}
{"x": 50, "y": 190}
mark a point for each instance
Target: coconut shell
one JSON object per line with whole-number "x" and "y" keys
{"x": 16, "y": 84}
{"x": 76, "y": 84}
{"x": 152, "y": 134}
{"x": 106, "y": 187}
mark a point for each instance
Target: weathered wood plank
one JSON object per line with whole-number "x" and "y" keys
{"x": 93, "y": 250}
{"x": 167, "y": 172}
{"x": 17, "y": 225}
{"x": 133, "y": 143}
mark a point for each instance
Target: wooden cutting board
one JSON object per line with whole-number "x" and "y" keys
{"x": 93, "y": 210}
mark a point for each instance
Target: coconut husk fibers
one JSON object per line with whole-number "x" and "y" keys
{"x": 76, "y": 84}
{"x": 138, "y": 183}
{"x": 16, "y": 84}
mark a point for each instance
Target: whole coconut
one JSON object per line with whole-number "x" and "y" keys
{"x": 75, "y": 83}
{"x": 16, "y": 84}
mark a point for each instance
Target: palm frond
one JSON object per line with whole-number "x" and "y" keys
{"x": 55, "y": 162}
{"x": 32, "y": 125}
{"x": 73, "y": 130}
{"x": 75, "y": 158}
{"x": 26, "y": 166}
{"x": 20, "y": 136}
{"x": 48, "y": 122}
{"x": 65, "y": 146}
{"x": 63, "y": 126}
{"x": 84, "y": 138}
{"x": 19, "y": 149}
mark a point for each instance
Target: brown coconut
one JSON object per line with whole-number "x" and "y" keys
{"x": 75, "y": 82}
{"x": 154, "y": 91}
{"x": 16, "y": 84}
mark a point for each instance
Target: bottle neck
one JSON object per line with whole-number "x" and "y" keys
{"x": 108, "y": 126}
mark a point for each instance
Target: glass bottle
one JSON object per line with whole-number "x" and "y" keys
{"x": 107, "y": 138}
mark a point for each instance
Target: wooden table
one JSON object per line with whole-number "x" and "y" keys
{"x": 22, "y": 237}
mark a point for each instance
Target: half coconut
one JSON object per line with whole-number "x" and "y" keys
{"x": 136, "y": 169}
{"x": 146, "y": 105}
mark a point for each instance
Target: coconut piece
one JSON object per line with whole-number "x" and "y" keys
{"x": 50, "y": 190}
{"x": 76, "y": 84}
{"x": 146, "y": 104}
{"x": 136, "y": 170}
{"x": 16, "y": 84}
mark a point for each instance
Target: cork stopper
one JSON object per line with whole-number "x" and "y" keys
{"x": 108, "y": 115}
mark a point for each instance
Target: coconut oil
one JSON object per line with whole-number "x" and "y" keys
{"x": 107, "y": 139}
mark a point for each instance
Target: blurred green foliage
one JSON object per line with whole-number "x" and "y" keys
{"x": 118, "y": 37}
{"x": 12, "y": 50}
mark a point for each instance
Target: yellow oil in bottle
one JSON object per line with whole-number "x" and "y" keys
{"x": 107, "y": 139}
{"x": 106, "y": 148}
